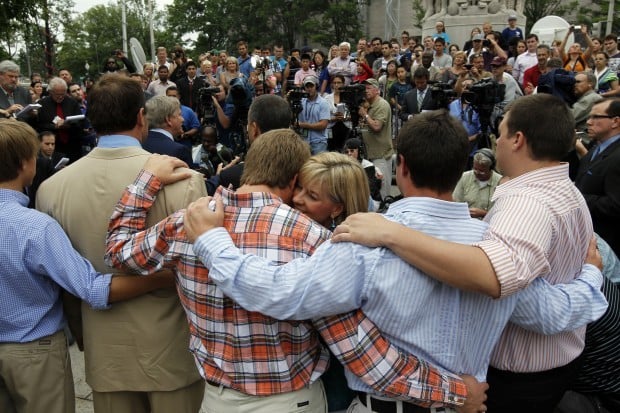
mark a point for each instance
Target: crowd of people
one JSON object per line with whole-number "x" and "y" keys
{"x": 496, "y": 264}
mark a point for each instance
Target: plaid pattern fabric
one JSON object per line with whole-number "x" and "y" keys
{"x": 248, "y": 351}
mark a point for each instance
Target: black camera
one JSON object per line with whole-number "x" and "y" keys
{"x": 442, "y": 94}
{"x": 486, "y": 43}
{"x": 468, "y": 66}
{"x": 353, "y": 96}
{"x": 485, "y": 93}
{"x": 294, "y": 99}
{"x": 206, "y": 110}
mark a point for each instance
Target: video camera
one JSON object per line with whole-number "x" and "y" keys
{"x": 353, "y": 96}
{"x": 441, "y": 94}
{"x": 485, "y": 93}
{"x": 294, "y": 99}
{"x": 205, "y": 104}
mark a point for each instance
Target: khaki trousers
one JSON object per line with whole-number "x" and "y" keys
{"x": 36, "y": 377}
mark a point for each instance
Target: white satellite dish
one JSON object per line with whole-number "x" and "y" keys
{"x": 137, "y": 54}
{"x": 552, "y": 28}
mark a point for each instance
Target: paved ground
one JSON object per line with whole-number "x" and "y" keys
{"x": 83, "y": 392}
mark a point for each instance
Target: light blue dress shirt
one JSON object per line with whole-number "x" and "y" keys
{"x": 452, "y": 329}
{"x": 36, "y": 260}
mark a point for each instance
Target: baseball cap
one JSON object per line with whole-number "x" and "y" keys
{"x": 498, "y": 61}
{"x": 512, "y": 17}
{"x": 478, "y": 36}
{"x": 311, "y": 79}
{"x": 371, "y": 81}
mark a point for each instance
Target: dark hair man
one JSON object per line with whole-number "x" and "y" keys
{"x": 154, "y": 370}
{"x": 37, "y": 263}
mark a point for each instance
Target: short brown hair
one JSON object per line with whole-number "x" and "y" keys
{"x": 114, "y": 103}
{"x": 18, "y": 143}
{"x": 274, "y": 159}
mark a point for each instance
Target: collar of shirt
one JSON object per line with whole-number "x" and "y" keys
{"x": 164, "y": 132}
{"x": 249, "y": 199}
{"x": 429, "y": 206}
{"x": 117, "y": 141}
{"x": 607, "y": 143}
{"x": 9, "y": 195}
{"x": 541, "y": 175}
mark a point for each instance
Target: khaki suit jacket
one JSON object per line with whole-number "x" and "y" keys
{"x": 140, "y": 344}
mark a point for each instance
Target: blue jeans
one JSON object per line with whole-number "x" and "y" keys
{"x": 318, "y": 147}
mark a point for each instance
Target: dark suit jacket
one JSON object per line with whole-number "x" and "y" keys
{"x": 157, "y": 142}
{"x": 410, "y": 104}
{"x": 21, "y": 96}
{"x": 184, "y": 91}
{"x": 599, "y": 182}
{"x": 70, "y": 107}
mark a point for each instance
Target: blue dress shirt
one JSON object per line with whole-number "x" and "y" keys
{"x": 36, "y": 260}
{"x": 452, "y": 329}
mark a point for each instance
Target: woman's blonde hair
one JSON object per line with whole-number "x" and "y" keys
{"x": 341, "y": 178}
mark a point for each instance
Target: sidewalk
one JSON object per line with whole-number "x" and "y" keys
{"x": 83, "y": 392}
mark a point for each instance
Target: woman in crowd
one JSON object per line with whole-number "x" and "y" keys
{"x": 451, "y": 74}
{"x": 363, "y": 71}
{"x": 320, "y": 67}
{"x": 453, "y": 49}
{"x": 36, "y": 91}
{"x": 149, "y": 71}
{"x": 353, "y": 148}
{"x": 221, "y": 63}
{"x": 206, "y": 68}
{"x": 231, "y": 72}
{"x": 334, "y": 52}
{"x": 440, "y": 28}
{"x": 339, "y": 124}
{"x": 607, "y": 79}
{"x": 388, "y": 78}
{"x": 575, "y": 60}
{"x": 520, "y": 48}
{"x": 476, "y": 187}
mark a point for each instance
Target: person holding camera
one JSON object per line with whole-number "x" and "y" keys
{"x": 111, "y": 64}
{"x": 314, "y": 116}
{"x": 575, "y": 60}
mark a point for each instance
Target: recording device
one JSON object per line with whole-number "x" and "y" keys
{"x": 206, "y": 111}
{"x": 441, "y": 94}
{"x": 486, "y": 43}
{"x": 240, "y": 95}
{"x": 294, "y": 99}
{"x": 468, "y": 66}
{"x": 483, "y": 96}
{"x": 573, "y": 28}
{"x": 353, "y": 96}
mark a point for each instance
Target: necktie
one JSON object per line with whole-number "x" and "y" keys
{"x": 191, "y": 87}
{"x": 595, "y": 152}
{"x": 420, "y": 100}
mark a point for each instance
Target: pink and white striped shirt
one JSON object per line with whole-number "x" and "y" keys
{"x": 539, "y": 227}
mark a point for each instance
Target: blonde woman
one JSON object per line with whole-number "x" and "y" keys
{"x": 231, "y": 72}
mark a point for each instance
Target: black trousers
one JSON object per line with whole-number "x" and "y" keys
{"x": 536, "y": 392}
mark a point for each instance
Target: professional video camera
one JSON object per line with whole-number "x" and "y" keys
{"x": 206, "y": 112}
{"x": 441, "y": 94}
{"x": 353, "y": 96}
{"x": 240, "y": 94}
{"x": 484, "y": 95}
{"x": 295, "y": 96}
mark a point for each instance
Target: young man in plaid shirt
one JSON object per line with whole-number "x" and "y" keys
{"x": 246, "y": 356}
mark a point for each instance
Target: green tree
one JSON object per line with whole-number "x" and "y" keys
{"x": 262, "y": 22}
{"x": 535, "y": 10}
{"x": 94, "y": 35}
{"x": 594, "y": 13}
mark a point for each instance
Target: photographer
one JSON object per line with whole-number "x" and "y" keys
{"x": 178, "y": 64}
{"x": 111, "y": 64}
{"x": 314, "y": 116}
{"x": 575, "y": 60}
{"x": 234, "y": 116}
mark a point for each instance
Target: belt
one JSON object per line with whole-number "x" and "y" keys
{"x": 388, "y": 406}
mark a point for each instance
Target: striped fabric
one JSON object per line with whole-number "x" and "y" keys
{"x": 248, "y": 351}
{"x": 539, "y": 227}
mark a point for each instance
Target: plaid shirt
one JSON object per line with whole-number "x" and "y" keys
{"x": 248, "y": 351}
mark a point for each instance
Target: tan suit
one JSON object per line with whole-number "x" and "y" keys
{"x": 140, "y": 345}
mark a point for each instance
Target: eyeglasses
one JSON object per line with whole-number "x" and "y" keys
{"x": 602, "y": 116}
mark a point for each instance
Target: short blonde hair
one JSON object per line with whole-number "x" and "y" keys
{"x": 341, "y": 178}
{"x": 18, "y": 143}
{"x": 274, "y": 158}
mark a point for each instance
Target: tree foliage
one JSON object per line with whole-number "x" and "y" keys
{"x": 535, "y": 10}
{"x": 97, "y": 33}
{"x": 262, "y": 22}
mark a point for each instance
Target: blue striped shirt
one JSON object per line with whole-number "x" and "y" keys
{"x": 36, "y": 260}
{"x": 452, "y": 329}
